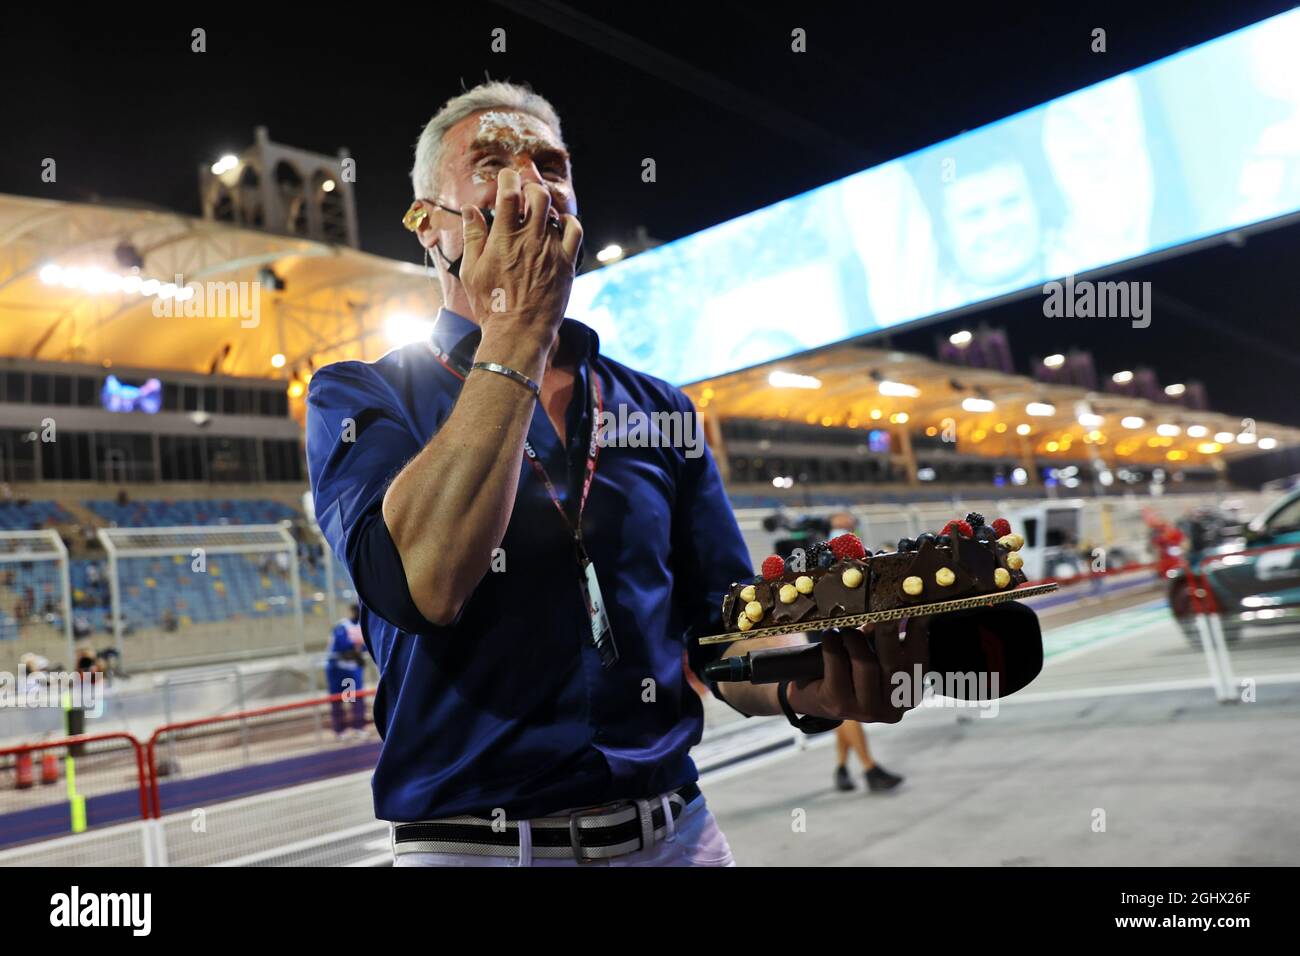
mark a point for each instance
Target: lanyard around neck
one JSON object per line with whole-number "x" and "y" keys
{"x": 460, "y": 370}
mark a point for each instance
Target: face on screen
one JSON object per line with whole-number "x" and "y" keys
{"x": 992, "y": 223}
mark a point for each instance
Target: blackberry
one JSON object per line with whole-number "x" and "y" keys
{"x": 925, "y": 537}
{"x": 944, "y": 541}
{"x": 906, "y": 544}
{"x": 825, "y": 559}
{"x": 791, "y": 566}
{"x": 975, "y": 519}
{"x": 986, "y": 534}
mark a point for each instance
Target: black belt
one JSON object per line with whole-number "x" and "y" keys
{"x": 597, "y": 833}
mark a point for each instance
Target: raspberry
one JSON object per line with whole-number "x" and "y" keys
{"x": 846, "y": 546}
{"x": 773, "y": 567}
{"x": 955, "y": 528}
{"x": 1002, "y": 527}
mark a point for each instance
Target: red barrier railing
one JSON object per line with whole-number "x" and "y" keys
{"x": 241, "y": 718}
{"x": 94, "y": 780}
{"x": 20, "y": 750}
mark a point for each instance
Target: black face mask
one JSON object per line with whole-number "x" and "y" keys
{"x": 453, "y": 265}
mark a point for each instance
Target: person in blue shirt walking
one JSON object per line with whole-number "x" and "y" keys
{"x": 345, "y": 671}
{"x": 529, "y": 570}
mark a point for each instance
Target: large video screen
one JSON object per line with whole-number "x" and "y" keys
{"x": 119, "y": 396}
{"x": 1199, "y": 143}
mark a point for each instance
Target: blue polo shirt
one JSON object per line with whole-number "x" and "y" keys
{"x": 508, "y": 707}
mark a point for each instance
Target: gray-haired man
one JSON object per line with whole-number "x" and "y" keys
{"x": 528, "y": 591}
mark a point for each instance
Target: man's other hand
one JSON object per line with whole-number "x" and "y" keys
{"x": 857, "y": 684}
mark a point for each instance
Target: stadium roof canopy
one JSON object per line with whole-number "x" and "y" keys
{"x": 859, "y": 387}
{"x": 335, "y": 302}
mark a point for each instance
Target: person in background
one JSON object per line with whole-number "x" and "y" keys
{"x": 110, "y": 663}
{"x": 849, "y": 735}
{"x": 87, "y": 660}
{"x": 34, "y": 668}
{"x": 347, "y": 664}
{"x": 89, "y": 671}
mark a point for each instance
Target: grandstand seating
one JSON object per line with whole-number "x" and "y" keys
{"x": 162, "y": 513}
{"x": 234, "y": 587}
{"x": 31, "y": 515}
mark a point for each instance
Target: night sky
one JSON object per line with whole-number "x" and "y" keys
{"x": 733, "y": 118}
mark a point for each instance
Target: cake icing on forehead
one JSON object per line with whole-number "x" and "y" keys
{"x": 838, "y": 578}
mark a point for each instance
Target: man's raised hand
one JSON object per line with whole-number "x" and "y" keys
{"x": 518, "y": 274}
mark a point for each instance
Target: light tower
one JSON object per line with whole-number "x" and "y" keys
{"x": 283, "y": 189}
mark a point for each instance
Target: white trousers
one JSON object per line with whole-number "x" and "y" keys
{"x": 696, "y": 842}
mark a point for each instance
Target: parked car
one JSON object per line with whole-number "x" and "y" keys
{"x": 1247, "y": 573}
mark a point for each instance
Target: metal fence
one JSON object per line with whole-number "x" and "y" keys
{"x": 35, "y": 595}
{"x": 192, "y": 595}
{"x": 193, "y": 787}
{"x": 70, "y": 785}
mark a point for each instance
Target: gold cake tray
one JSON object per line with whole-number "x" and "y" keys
{"x": 877, "y": 617}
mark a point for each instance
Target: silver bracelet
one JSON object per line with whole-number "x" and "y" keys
{"x": 508, "y": 372}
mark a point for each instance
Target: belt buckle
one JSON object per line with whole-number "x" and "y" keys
{"x": 575, "y": 831}
{"x": 575, "y": 837}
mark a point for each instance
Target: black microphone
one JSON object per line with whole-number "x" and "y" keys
{"x": 1004, "y": 642}
{"x": 802, "y": 662}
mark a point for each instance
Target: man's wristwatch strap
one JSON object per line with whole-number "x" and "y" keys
{"x": 809, "y": 725}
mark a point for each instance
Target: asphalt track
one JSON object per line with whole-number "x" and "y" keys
{"x": 1120, "y": 756}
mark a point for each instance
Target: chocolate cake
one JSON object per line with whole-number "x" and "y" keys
{"x": 842, "y": 589}
{"x": 837, "y": 578}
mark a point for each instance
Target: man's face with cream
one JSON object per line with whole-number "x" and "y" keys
{"x": 475, "y": 151}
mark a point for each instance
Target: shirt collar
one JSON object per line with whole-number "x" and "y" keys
{"x": 452, "y": 333}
